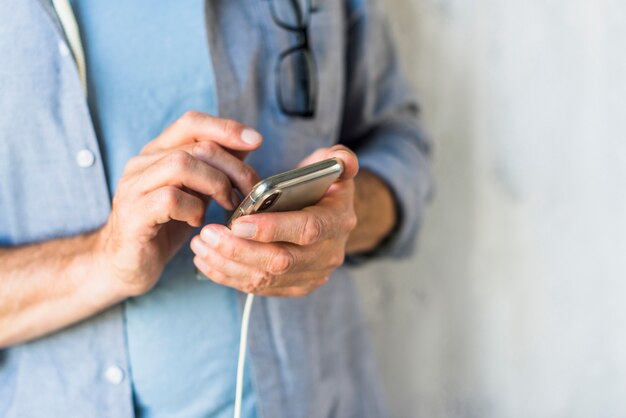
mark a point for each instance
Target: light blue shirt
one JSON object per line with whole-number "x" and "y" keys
{"x": 309, "y": 357}
{"x": 147, "y": 64}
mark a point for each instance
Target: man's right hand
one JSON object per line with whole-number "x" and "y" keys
{"x": 164, "y": 193}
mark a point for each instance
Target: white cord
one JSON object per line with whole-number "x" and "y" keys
{"x": 243, "y": 343}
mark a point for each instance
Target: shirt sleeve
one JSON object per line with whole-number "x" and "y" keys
{"x": 381, "y": 124}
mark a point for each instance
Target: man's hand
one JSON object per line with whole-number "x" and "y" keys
{"x": 164, "y": 193}
{"x": 288, "y": 253}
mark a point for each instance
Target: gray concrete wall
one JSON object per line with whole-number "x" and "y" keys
{"x": 515, "y": 306}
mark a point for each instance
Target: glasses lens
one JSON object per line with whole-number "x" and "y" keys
{"x": 293, "y": 14}
{"x": 297, "y": 83}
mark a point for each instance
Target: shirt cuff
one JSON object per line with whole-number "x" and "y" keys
{"x": 405, "y": 169}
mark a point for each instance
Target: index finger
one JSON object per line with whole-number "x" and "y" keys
{"x": 196, "y": 127}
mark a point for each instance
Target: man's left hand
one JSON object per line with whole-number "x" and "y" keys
{"x": 284, "y": 254}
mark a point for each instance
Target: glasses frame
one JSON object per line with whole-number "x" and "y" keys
{"x": 302, "y": 29}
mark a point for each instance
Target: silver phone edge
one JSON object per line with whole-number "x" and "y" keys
{"x": 285, "y": 179}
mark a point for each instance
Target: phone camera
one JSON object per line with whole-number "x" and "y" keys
{"x": 269, "y": 201}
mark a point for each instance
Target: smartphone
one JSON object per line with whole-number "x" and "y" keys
{"x": 291, "y": 190}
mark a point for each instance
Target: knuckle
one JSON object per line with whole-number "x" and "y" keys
{"x": 281, "y": 262}
{"x": 150, "y": 148}
{"x": 248, "y": 176}
{"x": 179, "y": 160}
{"x": 132, "y": 165}
{"x": 222, "y": 182}
{"x": 312, "y": 230}
{"x": 226, "y": 249}
{"x": 221, "y": 186}
{"x": 230, "y": 127}
{"x": 249, "y": 288}
{"x": 337, "y": 259}
{"x": 258, "y": 281}
{"x": 169, "y": 197}
{"x": 206, "y": 149}
{"x": 350, "y": 221}
{"x": 217, "y": 276}
{"x": 189, "y": 117}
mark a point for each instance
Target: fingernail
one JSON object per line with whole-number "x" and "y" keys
{"x": 234, "y": 198}
{"x": 250, "y": 136}
{"x": 199, "y": 248}
{"x": 209, "y": 236}
{"x": 244, "y": 230}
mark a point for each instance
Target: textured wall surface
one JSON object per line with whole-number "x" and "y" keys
{"x": 515, "y": 306}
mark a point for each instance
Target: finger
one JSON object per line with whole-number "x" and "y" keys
{"x": 241, "y": 175}
{"x": 238, "y": 273}
{"x": 304, "y": 227}
{"x": 196, "y": 126}
{"x": 276, "y": 259}
{"x": 233, "y": 274}
{"x": 170, "y": 203}
{"x": 348, "y": 159}
{"x": 216, "y": 276}
{"x": 181, "y": 169}
{"x": 220, "y": 277}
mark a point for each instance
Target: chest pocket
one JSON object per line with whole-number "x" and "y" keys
{"x": 326, "y": 43}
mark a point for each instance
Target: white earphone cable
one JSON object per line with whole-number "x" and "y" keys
{"x": 243, "y": 344}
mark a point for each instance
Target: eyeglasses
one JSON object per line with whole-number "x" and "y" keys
{"x": 295, "y": 71}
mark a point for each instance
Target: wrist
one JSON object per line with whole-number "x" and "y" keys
{"x": 124, "y": 270}
{"x": 376, "y": 212}
{"x": 104, "y": 285}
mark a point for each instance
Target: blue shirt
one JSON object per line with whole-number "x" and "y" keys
{"x": 146, "y": 65}
{"x": 309, "y": 357}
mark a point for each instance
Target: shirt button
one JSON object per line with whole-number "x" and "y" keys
{"x": 64, "y": 50}
{"x": 114, "y": 375}
{"x": 85, "y": 158}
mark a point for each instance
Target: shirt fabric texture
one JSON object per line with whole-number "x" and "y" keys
{"x": 183, "y": 335}
{"x": 309, "y": 357}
